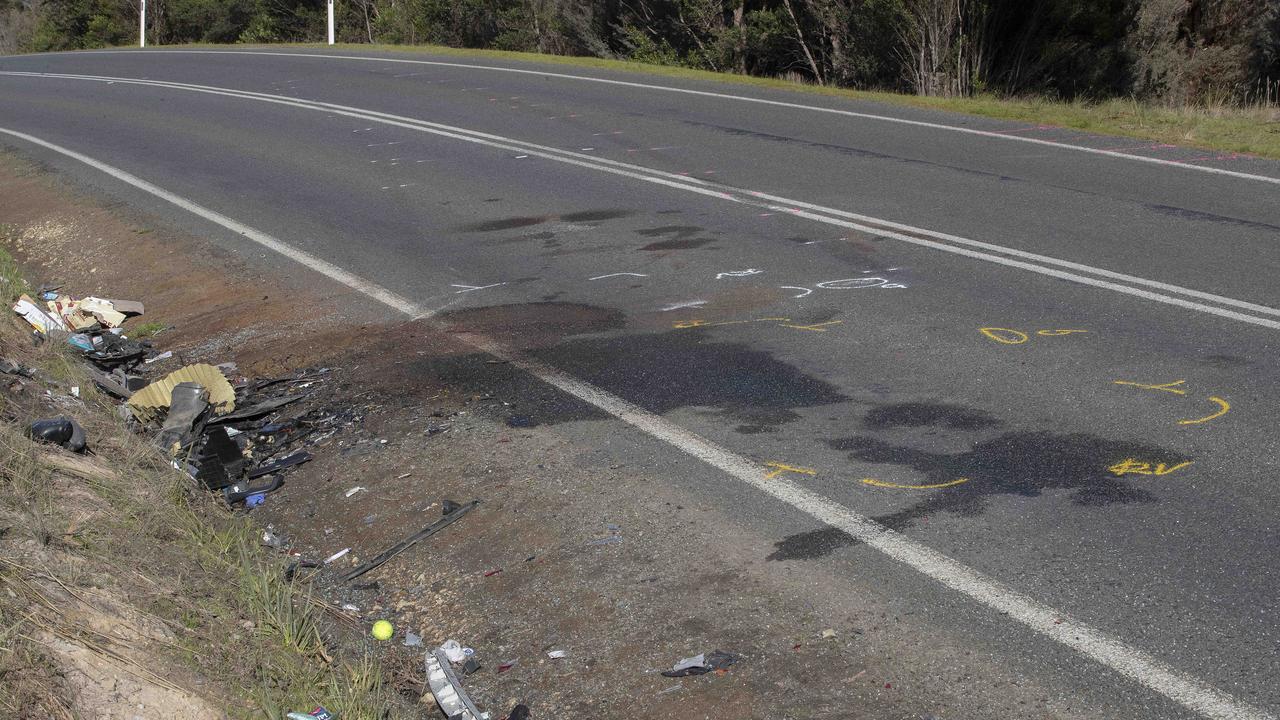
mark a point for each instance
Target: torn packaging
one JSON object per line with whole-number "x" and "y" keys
{"x": 37, "y": 317}
{"x": 59, "y": 431}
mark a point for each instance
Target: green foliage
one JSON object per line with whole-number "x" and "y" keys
{"x": 1174, "y": 51}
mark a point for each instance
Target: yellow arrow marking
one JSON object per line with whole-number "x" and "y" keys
{"x": 1167, "y": 387}
{"x": 782, "y": 467}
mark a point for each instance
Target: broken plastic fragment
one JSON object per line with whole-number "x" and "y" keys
{"x": 453, "y": 651}
{"x": 411, "y": 640}
{"x": 702, "y": 664}
{"x": 355, "y": 490}
{"x": 557, "y": 654}
{"x": 336, "y": 555}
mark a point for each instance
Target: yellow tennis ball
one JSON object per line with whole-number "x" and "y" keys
{"x": 382, "y": 630}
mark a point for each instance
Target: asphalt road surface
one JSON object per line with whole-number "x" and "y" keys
{"x": 1021, "y": 377}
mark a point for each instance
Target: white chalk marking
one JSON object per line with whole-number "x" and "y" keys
{"x": 796, "y": 287}
{"x": 473, "y": 288}
{"x": 601, "y": 277}
{"x": 852, "y": 283}
{"x": 738, "y": 273}
{"x": 683, "y": 305}
{"x": 830, "y": 216}
{"x": 1126, "y": 660}
{"x": 992, "y": 134}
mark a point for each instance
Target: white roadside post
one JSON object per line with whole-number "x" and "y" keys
{"x": 142, "y": 24}
{"x": 330, "y": 21}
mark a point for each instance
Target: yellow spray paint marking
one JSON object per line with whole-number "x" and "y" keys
{"x": 1130, "y": 466}
{"x": 1167, "y": 387}
{"x": 1223, "y": 408}
{"x": 883, "y": 484}
{"x": 1004, "y": 336}
{"x": 780, "y": 468}
{"x": 819, "y": 327}
{"x": 1056, "y": 333}
{"x": 782, "y": 322}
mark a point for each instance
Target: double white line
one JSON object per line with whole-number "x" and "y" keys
{"x": 1082, "y": 274}
{"x": 1054, "y": 624}
{"x": 1153, "y": 290}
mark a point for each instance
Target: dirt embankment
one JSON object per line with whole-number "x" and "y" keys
{"x": 573, "y": 547}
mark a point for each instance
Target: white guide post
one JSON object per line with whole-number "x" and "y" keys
{"x": 142, "y": 25}
{"x": 330, "y": 21}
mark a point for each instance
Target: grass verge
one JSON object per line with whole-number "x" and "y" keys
{"x": 121, "y": 582}
{"x": 1224, "y": 128}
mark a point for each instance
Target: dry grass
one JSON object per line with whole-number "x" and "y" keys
{"x": 121, "y": 534}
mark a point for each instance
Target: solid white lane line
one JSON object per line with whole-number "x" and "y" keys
{"x": 1128, "y": 661}
{"x": 830, "y": 216}
{"x": 739, "y": 98}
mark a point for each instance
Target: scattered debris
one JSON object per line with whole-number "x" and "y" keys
{"x": 412, "y": 640}
{"x": 701, "y": 664}
{"x": 320, "y": 713}
{"x": 147, "y": 403}
{"x": 557, "y": 654}
{"x": 355, "y": 490}
{"x": 448, "y": 691}
{"x": 336, "y": 556}
{"x": 828, "y": 634}
{"x": 452, "y": 511}
{"x": 453, "y": 651}
{"x": 59, "y": 431}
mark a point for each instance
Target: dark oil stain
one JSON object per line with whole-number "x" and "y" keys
{"x": 659, "y": 372}
{"x": 664, "y": 371}
{"x": 1022, "y": 463}
{"x": 493, "y": 199}
{"x": 810, "y": 545}
{"x": 923, "y": 414}
{"x": 1227, "y": 360}
{"x": 679, "y": 231}
{"x": 670, "y": 212}
{"x": 678, "y": 244}
{"x": 799, "y": 239}
{"x": 590, "y": 215}
{"x": 1186, "y": 214}
{"x": 512, "y": 223}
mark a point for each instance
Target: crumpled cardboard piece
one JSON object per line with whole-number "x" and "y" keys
{"x": 146, "y": 402}
{"x": 39, "y": 318}
{"x": 103, "y": 310}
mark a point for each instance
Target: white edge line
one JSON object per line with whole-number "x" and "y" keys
{"x": 703, "y": 188}
{"x": 1114, "y": 654}
{"x": 740, "y": 98}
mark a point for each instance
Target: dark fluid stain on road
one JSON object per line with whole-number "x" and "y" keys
{"x": 678, "y": 244}
{"x": 1227, "y": 360}
{"x": 810, "y": 545}
{"x": 1186, "y": 214}
{"x": 659, "y": 372}
{"x": 526, "y": 325}
{"x": 1023, "y": 463}
{"x": 678, "y": 231}
{"x": 593, "y": 215}
{"x": 512, "y": 223}
{"x": 664, "y": 371}
{"x": 927, "y": 414}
